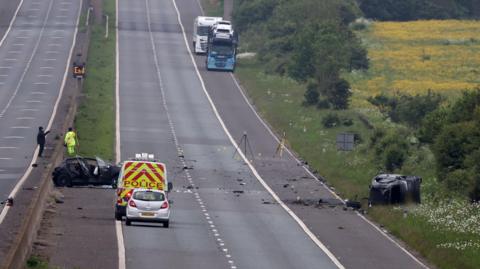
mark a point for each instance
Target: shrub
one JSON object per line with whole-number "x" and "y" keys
{"x": 406, "y": 108}
{"x": 311, "y": 95}
{"x": 323, "y": 104}
{"x": 431, "y": 125}
{"x": 390, "y": 148}
{"x": 458, "y": 181}
{"x": 393, "y": 157}
{"x": 452, "y": 145}
{"x": 331, "y": 120}
{"x": 339, "y": 94}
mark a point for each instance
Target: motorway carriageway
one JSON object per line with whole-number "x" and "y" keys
{"x": 163, "y": 110}
{"x": 216, "y": 221}
{"x": 34, "y": 58}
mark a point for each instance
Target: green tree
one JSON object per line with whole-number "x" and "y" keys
{"x": 311, "y": 95}
{"x": 339, "y": 94}
{"x": 453, "y": 144}
{"x": 432, "y": 125}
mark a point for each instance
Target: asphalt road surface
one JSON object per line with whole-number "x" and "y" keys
{"x": 218, "y": 219}
{"x": 33, "y": 58}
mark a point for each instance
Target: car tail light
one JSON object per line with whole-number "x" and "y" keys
{"x": 164, "y": 205}
{"x": 128, "y": 195}
{"x": 132, "y": 203}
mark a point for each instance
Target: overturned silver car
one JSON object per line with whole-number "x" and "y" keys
{"x": 394, "y": 189}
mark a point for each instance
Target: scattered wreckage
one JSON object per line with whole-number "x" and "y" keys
{"x": 394, "y": 189}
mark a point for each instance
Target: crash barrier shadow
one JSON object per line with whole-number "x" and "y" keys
{"x": 22, "y": 244}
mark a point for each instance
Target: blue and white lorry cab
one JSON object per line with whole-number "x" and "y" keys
{"x": 222, "y": 50}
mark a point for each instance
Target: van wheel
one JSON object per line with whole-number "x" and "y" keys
{"x": 166, "y": 224}
{"x": 128, "y": 222}
{"x": 118, "y": 216}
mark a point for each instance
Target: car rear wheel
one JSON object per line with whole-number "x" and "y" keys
{"x": 63, "y": 180}
{"x": 128, "y": 222}
{"x": 166, "y": 224}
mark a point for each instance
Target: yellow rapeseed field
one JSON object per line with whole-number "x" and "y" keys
{"x": 414, "y": 57}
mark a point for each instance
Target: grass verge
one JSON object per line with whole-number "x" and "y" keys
{"x": 213, "y": 8}
{"x": 95, "y": 119}
{"x": 279, "y": 101}
{"x": 432, "y": 58}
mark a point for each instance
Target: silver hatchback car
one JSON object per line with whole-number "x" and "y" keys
{"x": 148, "y": 206}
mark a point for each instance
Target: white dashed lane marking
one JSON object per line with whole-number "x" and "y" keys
{"x": 172, "y": 129}
{"x": 25, "y": 118}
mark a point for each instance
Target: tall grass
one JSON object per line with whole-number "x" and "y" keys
{"x": 95, "y": 119}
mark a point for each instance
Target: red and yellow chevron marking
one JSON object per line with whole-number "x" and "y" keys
{"x": 144, "y": 175}
{"x": 122, "y": 195}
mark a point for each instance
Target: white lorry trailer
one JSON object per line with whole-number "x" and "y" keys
{"x": 201, "y": 27}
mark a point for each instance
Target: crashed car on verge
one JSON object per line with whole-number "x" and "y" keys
{"x": 394, "y": 189}
{"x": 85, "y": 171}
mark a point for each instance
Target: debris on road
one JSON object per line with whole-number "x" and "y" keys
{"x": 238, "y": 191}
{"x": 58, "y": 197}
{"x": 42, "y": 243}
{"x": 353, "y": 204}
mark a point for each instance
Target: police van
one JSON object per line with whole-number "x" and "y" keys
{"x": 142, "y": 172}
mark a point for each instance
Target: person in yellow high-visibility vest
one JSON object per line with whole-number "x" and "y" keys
{"x": 71, "y": 141}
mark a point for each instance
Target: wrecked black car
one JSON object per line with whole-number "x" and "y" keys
{"x": 85, "y": 171}
{"x": 394, "y": 189}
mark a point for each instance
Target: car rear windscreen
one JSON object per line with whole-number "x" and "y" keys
{"x": 148, "y": 196}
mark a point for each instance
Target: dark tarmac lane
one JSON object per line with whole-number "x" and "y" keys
{"x": 212, "y": 226}
{"x": 33, "y": 59}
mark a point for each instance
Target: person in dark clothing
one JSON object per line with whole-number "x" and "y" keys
{"x": 41, "y": 139}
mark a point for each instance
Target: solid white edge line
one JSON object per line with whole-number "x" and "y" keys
{"x": 11, "y": 22}
{"x": 259, "y": 178}
{"x": 118, "y": 224}
{"x": 52, "y": 117}
{"x": 315, "y": 177}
